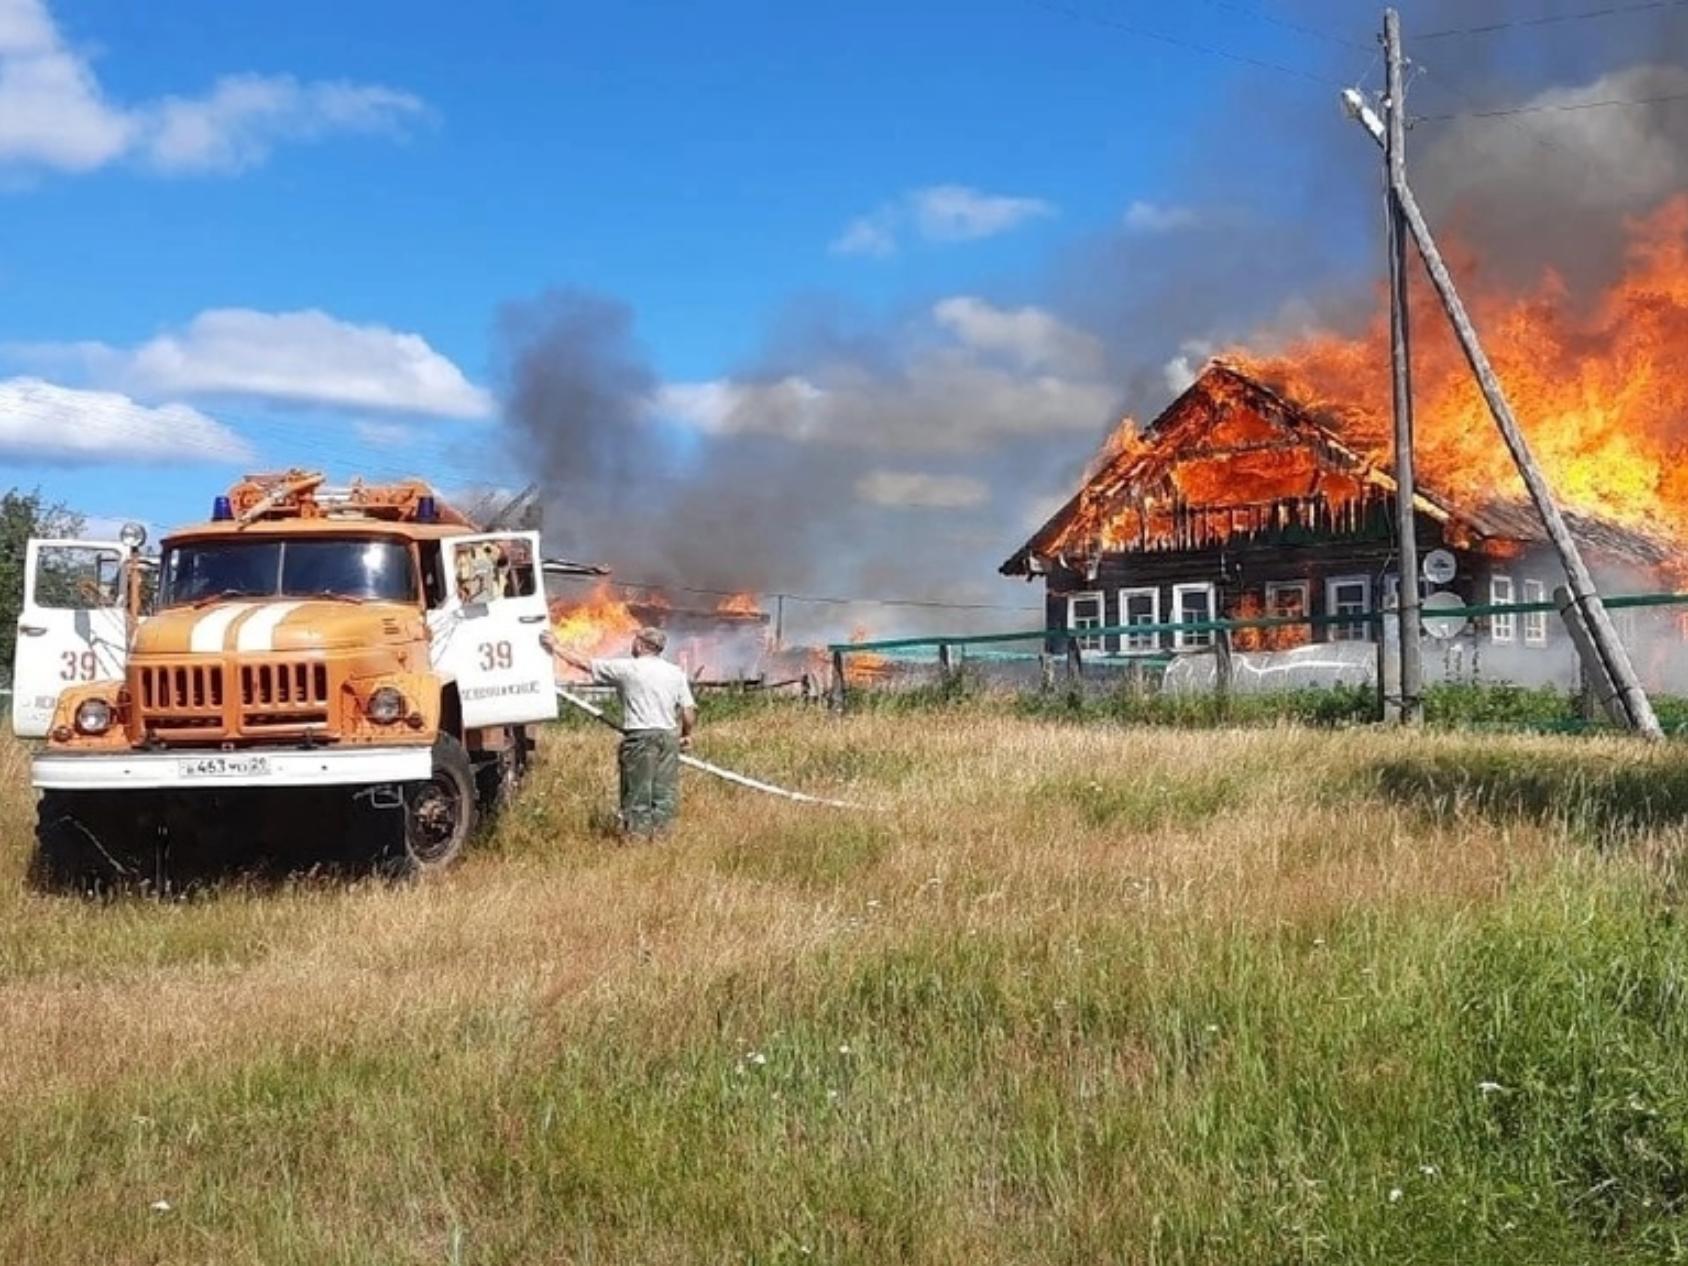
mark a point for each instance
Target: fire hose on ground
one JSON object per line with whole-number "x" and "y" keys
{"x": 702, "y": 766}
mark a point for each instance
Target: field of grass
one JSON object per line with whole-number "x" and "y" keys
{"x": 1077, "y": 994}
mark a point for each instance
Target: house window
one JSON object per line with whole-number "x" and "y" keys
{"x": 1287, "y": 600}
{"x": 1192, "y": 604}
{"x": 1502, "y": 627}
{"x": 1349, "y": 595}
{"x": 1139, "y": 606}
{"x": 1084, "y": 611}
{"x": 1535, "y": 622}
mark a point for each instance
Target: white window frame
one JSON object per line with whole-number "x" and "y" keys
{"x": 1139, "y": 643}
{"x": 1358, "y": 630}
{"x": 1535, "y": 622}
{"x": 1503, "y": 629}
{"x": 1275, "y": 587}
{"x": 1181, "y": 640}
{"x": 1101, "y": 599}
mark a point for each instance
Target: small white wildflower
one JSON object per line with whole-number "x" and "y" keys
{"x": 872, "y": 904}
{"x": 1490, "y": 1087}
{"x": 844, "y": 1049}
{"x": 1395, "y": 1194}
{"x": 1429, "y": 1171}
{"x": 161, "y": 1206}
{"x": 1213, "y": 1028}
{"x": 831, "y": 1096}
{"x": 1318, "y": 940}
{"x": 757, "y": 1058}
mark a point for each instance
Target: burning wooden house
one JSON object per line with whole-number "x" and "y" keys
{"x": 1238, "y": 502}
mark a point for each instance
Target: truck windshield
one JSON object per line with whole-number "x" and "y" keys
{"x": 346, "y": 568}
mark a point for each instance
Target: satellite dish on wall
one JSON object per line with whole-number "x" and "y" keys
{"x": 1439, "y": 566}
{"x": 1442, "y": 627}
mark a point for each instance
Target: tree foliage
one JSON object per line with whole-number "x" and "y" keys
{"x": 23, "y": 515}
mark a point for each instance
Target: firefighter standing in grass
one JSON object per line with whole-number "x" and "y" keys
{"x": 657, "y": 717}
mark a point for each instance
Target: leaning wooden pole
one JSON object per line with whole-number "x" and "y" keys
{"x": 1608, "y": 650}
{"x": 1411, "y": 679}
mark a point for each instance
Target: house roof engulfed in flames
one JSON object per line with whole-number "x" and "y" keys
{"x": 1233, "y": 461}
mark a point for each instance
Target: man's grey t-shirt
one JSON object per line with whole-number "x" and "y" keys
{"x": 652, "y": 690}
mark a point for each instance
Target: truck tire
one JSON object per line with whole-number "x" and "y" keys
{"x": 439, "y": 814}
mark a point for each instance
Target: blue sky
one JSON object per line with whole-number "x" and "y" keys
{"x": 261, "y": 234}
{"x": 695, "y": 160}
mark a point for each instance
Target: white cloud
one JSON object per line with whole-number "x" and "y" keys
{"x": 918, "y": 490}
{"x": 956, "y": 213}
{"x": 937, "y": 213}
{"x": 866, "y": 235}
{"x": 383, "y": 434}
{"x": 1032, "y": 336}
{"x": 54, "y": 113}
{"x": 244, "y": 116}
{"x": 944, "y": 400}
{"x": 306, "y": 357}
{"x": 42, "y": 421}
{"x": 1155, "y": 217}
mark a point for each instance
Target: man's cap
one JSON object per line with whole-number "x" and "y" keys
{"x": 654, "y": 638}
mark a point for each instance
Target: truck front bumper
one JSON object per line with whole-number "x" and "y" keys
{"x": 189, "y": 771}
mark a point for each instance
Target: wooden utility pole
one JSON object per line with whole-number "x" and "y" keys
{"x": 779, "y": 621}
{"x": 1604, "y": 646}
{"x": 1411, "y": 678}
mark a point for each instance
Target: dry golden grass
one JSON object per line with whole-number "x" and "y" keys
{"x": 569, "y": 1049}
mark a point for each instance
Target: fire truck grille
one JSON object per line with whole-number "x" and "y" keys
{"x": 181, "y": 696}
{"x": 283, "y": 695}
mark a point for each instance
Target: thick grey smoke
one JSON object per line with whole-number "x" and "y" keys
{"x": 907, "y": 453}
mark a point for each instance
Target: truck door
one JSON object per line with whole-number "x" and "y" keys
{"x": 73, "y": 627}
{"x": 486, "y": 632}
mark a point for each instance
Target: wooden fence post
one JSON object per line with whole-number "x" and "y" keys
{"x": 1075, "y": 672}
{"x": 1222, "y": 666}
{"x": 1045, "y": 673}
{"x": 838, "y": 690}
{"x": 945, "y": 668}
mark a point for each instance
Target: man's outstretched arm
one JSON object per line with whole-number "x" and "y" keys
{"x": 567, "y": 656}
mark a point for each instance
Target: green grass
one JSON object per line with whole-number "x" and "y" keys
{"x": 1073, "y": 995}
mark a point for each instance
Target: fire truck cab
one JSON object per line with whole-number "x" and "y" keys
{"x": 310, "y": 660}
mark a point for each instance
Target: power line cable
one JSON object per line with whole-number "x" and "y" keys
{"x": 1260, "y": 15}
{"x": 1568, "y": 107}
{"x": 1176, "y": 41}
{"x": 1606, "y": 11}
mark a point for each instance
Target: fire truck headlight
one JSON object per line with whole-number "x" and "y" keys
{"x": 385, "y": 705}
{"x": 93, "y": 716}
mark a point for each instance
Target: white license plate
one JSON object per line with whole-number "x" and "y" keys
{"x": 224, "y": 767}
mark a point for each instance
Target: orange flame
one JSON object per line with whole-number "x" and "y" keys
{"x": 739, "y": 604}
{"x": 1598, "y": 386}
{"x": 864, "y": 667}
{"x": 595, "y": 627}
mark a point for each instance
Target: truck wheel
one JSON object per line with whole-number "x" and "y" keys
{"x": 439, "y": 815}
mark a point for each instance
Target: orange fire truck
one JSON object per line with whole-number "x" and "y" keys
{"x": 358, "y": 662}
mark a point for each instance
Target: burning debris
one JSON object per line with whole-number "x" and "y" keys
{"x": 729, "y": 643}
